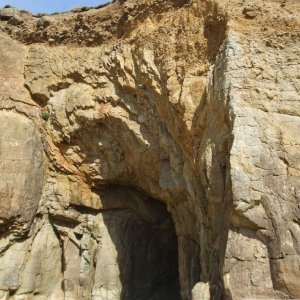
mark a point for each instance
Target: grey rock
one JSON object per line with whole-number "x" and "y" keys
{"x": 16, "y": 20}
{"x": 8, "y": 13}
{"x": 45, "y": 21}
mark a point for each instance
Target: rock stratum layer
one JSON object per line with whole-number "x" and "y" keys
{"x": 150, "y": 149}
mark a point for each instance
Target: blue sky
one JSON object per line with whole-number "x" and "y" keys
{"x": 50, "y": 6}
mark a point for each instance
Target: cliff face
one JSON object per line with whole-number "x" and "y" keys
{"x": 150, "y": 150}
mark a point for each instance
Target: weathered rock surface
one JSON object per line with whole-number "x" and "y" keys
{"x": 150, "y": 150}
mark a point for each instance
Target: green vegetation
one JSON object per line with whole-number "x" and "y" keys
{"x": 101, "y": 5}
{"x": 45, "y": 115}
{"x": 86, "y": 8}
{"x": 39, "y": 15}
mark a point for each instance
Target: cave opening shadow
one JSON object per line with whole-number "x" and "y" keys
{"x": 145, "y": 246}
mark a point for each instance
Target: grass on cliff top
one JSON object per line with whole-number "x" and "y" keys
{"x": 76, "y": 9}
{"x": 86, "y": 8}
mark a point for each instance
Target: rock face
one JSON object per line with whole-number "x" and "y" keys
{"x": 150, "y": 150}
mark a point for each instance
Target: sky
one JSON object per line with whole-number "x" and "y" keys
{"x": 50, "y": 6}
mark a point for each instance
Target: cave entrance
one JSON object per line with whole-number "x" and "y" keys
{"x": 139, "y": 258}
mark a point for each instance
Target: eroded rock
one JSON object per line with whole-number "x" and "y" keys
{"x": 168, "y": 164}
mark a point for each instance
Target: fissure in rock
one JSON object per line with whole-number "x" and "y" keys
{"x": 142, "y": 237}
